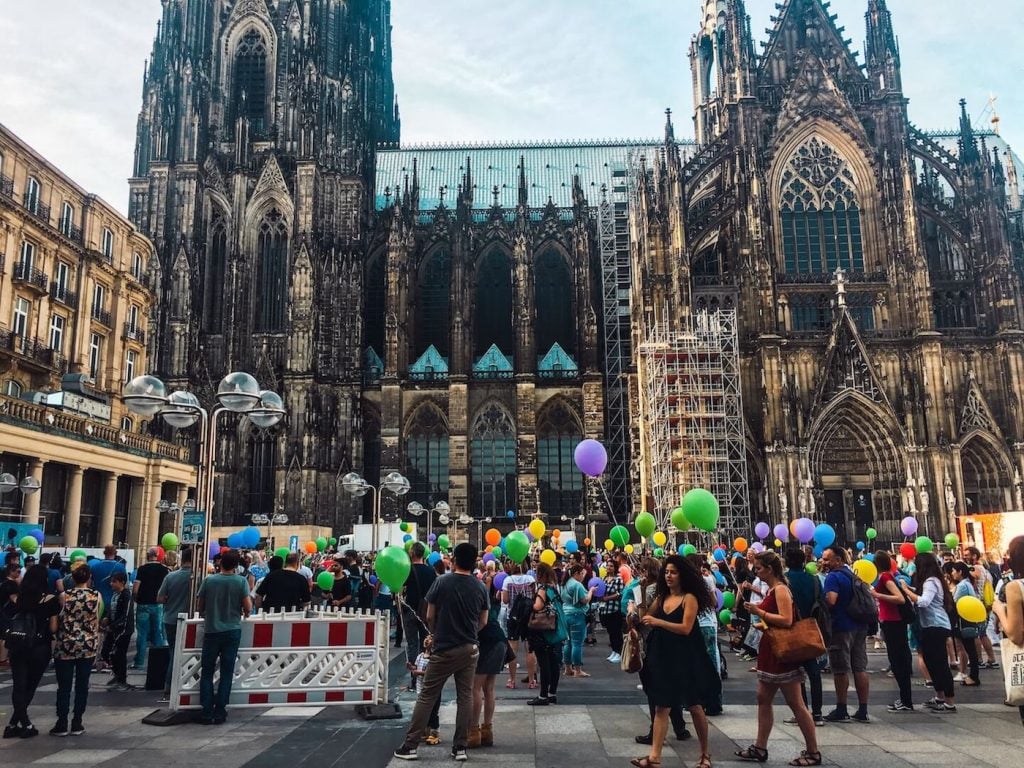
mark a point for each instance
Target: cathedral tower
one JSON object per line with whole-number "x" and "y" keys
{"x": 254, "y": 165}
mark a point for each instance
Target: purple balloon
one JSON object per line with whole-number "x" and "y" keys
{"x": 499, "y": 579}
{"x": 214, "y": 549}
{"x": 804, "y": 529}
{"x": 432, "y": 538}
{"x": 781, "y": 532}
{"x": 598, "y": 585}
{"x": 761, "y": 530}
{"x": 529, "y": 536}
{"x": 758, "y": 547}
{"x": 591, "y": 458}
{"x": 909, "y": 526}
{"x": 489, "y": 557}
{"x": 720, "y": 598}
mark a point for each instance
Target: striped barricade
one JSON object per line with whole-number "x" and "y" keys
{"x": 311, "y": 657}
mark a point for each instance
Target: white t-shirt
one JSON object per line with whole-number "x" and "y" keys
{"x": 760, "y": 589}
{"x": 304, "y": 570}
{"x": 514, "y": 584}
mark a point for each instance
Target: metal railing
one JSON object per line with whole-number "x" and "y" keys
{"x": 7, "y": 186}
{"x": 63, "y": 294}
{"x": 101, "y": 315}
{"x": 32, "y": 350}
{"x": 134, "y": 333}
{"x": 28, "y": 274}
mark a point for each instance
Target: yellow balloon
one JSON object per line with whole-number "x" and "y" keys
{"x": 602, "y": 571}
{"x": 866, "y": 570}
{"x": 537, "y": 528}
{"x": 659, "y": 538}
{"x": 609, "y": 544}
{"x": 548, "y": 557}
{"x": 778, "y": 543}
{"x": 971, "y": 609}
{"x": 629, "y": 549}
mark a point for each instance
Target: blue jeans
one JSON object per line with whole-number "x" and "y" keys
{"x": 72, "y": 671}
{"x": 149, "y": 627}
{"x": 576, "y": 624}
{"x": 223, "y": 646}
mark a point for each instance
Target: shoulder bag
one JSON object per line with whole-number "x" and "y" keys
{"x": 633, "y": 652}
{"x": 1013, "y": 665}
{"x": 544, "y": 620}
{"x": 797, "y": 643}
{"x": 908, "y": 611}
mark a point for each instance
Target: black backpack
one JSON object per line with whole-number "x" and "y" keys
{"x": 19, "y": 631}
{"x": 519, "y": 614}
{"x": 862, "y": 607}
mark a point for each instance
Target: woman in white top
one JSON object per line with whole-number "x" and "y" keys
{"x": 517, "y": 583}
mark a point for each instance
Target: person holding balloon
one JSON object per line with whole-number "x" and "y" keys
{"x": 934, "y": 604}
{"x": 965, "y": 633}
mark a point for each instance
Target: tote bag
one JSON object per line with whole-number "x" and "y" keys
{"x": 1013, "y": 668}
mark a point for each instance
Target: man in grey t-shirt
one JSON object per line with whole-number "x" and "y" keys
{"x": 173, "y": 595}
{"x": 456, "y": 612}
{"x": 223, "y": 601}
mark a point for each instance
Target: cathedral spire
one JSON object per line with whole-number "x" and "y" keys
{"x": 524, "y": 194}
{"x": 670, "y": 131}
{"x": 882, "y": 49}
{"x": 968, "y": 142}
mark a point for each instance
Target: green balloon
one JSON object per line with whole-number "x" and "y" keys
{"x": 408, "y": 545}
{"x": 332, "y": 541}
{"x": 77, "y": 555}
{"x": 679, "y": 520}
{"x": 321, "y": 543}
{"x": 952, "y": 540}
{"x": 443, "y": 541}
{"x": 403, "y": 527}
{"x": 29, "y": 545}
{"x": 169, "y": 541}
{"x": 725, "y": 616}
{"x": 281, "y": 552}
{"x": 728, "y": 600}
{"x": 701, "y": 509}
{"x": 811, "y": 568}
{"x": 689, "y": 549}
{"x": 517, "y": 546}
{"x": 325, "y": 581}
{"x": 871, "y": 533}
{"x": 923, "y": 544}
{"x": 659, "y": 552}
{"x": 645, "y": 524}
{"x": 392, "y": 566}
{"x": 620, "y": 535}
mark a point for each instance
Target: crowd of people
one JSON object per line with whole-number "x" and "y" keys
{"x": 479, "y": 616}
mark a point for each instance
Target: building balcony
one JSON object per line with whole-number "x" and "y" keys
{"x": 100, "y": 256}
{"x": 7, "y": 186}
{"x": 63, "y": 295}
{"x": 32, "y": 352}
{"x": 102, "y": 317}
{"x": 134, "y": 333}
{"x": 31, "y": 277}
{"x": 71, "y": 232}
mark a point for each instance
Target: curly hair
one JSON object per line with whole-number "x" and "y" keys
{"x": 690, "y": 581}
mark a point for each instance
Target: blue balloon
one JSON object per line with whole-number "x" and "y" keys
{"x": 434, "y": 557}
{"x": 824, "y": 535}
{"x": 719, "y": 555}
{"x": 572, "y": 546}
{"x": 819, "y": 551}
{"x": 860, "y": 545}
{"x": 36, "y": 534}
{"x": 250, "y": 537}
{"x": 510, "y": 514}
{"x": 719, "y": 579}
{"x": 407, "y": 537}
{"x": 501, "y": 544}
{"x": 869, "y": 558}
{"x": 235, "y": 540}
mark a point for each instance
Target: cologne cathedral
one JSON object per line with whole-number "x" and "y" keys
{"x": 465, "y": 314}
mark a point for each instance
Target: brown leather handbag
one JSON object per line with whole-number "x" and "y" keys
{"x": 800, "y": 642}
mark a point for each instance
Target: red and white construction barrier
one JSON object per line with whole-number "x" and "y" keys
{"x": 313, "y": 657}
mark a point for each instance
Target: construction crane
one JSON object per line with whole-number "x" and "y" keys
{"x": 990, "y": 113}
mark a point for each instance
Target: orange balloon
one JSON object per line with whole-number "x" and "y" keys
{"x": 626, "y": 574}
{"x": 493, "y": 536}
{"x": 488, "y": 548}
{"x": 792, "y": 529}
{"x": 556, "y": 533}
{"x": 740, "y": 545}
{"x": 586, "y": 542}
{"x": 310, "y": 547}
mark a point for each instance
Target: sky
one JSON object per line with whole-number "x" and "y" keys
{"x": 472, "y": 70}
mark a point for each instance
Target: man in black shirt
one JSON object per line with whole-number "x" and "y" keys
{"x": 456, "y": 610}
{"x": 341, "y": 592}
{"x": 414, "y": 608}
{"x": 149, "y": 614}
{"x": 284, "y": 588}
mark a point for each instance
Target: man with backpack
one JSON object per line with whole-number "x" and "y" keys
{"x": 851, "y": 604}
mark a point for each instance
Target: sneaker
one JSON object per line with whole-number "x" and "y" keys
{"x": 959, "y": 678}
{"x": 819, "y": 721}
{"x": 946, "y": 707}
{"x": 790, "y": 720}
{"x": 459, "y": 754}
{"x": 406, "y": 753}
{"x": 899, "y": 706}
{"x": 990, "y": 665}
{"x": 77, "y": 729}
{"x": 861, "y": 716}
{"x": 934, "y": 704}
{"x": 837, "y": 716}
{"x": 60, "y": 729}
{"x": 610, "y": 656}
{"x": 615, "y": 658}
{"x": 539, "y": 701}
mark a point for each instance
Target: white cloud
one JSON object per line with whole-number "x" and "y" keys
{"x": 71, "y": 71}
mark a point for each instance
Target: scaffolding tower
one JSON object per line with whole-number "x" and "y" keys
{"x": 693, "y": 417}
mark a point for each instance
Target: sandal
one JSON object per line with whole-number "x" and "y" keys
{"x": 753, "y": 754}
{"x": 510, "y": 684}
{"x": 532, "y": 684}
{"x": 581, "y": 673}
{"x": 807, "y": 758}
{"x": 704, "y": 762}
{"x": 644, "y": 762}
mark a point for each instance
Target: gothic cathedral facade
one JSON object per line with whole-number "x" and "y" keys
{"x": 466, "y": 314}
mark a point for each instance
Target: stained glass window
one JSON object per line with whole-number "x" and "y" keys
{"x": 554, "y": 300}
{"x": 249, "y": 91}
{"x": 820, "y": 216}
{"x": 272, "y": 275}
{"x": 216, "y": 268}
{"x": 493, "y": 308}
{"x": 559, "y": 480}
{"x": 426, "y": 457}
{"x": 373, "y": 329}
{"x": 262, "y": 471}
{"x": 493, "y": 461}
{"x": 433, "y": 304}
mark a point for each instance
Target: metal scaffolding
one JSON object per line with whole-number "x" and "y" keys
{"x": 692, "y": 425}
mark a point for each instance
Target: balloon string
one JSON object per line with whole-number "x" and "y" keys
{"x": 604, "y": 492}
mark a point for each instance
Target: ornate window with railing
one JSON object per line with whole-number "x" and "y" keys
{"x": 559, "y": 480}
{"x": 426, "y": 456}
{"x": 32, "y": 190}
{"x": 953, "y": 309}
{"x": 272, "y": 272}
{"x": 820, "y": 212}
{"x": 493, "y": 463}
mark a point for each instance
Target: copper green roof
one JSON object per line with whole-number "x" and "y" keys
{"x": 549, "y": 170}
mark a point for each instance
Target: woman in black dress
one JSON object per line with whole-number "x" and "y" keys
{"x": 682, "y": 673}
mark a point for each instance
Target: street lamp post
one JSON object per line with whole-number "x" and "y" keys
{"x": 356, "y": 485}
{"x": 238, "y": 392}
{"x": 441, "y": 508}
